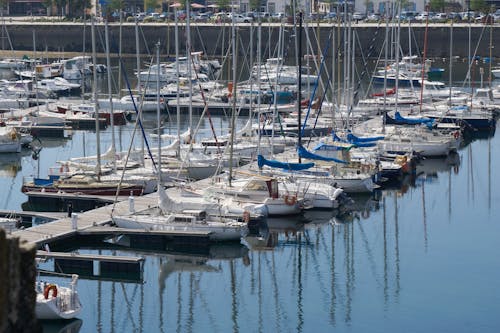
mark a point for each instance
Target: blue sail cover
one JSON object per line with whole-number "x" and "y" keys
{"x": 355, "y": 139}
{"x": 311, "y": 156}
{"x": 325, "y": 147}
{"x": 261, "y": 161}
{"x": 413, "y": 121}
{"x": 336, "y": 137}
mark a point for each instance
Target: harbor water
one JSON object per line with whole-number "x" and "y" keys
{"x": 419, "y": 256}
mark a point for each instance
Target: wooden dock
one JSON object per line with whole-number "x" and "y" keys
{"x": 95, "y": 223}
{"x": 88, "y": 257}
{"x": 63, "y": 228}
{"x": 96, "y": 266}
{"x": 26, "y": 215}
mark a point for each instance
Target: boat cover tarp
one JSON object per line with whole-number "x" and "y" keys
{"x": 261, "y": 161}
{"x": 354, "y": 144}
{"x": 412, "y": 121}
{"x": 324, "y": 146}
{"x": 311, "y": 156}
{"x": 355, "y": 139}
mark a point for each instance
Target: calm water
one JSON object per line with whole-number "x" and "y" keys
{"x": 421, "y": 257}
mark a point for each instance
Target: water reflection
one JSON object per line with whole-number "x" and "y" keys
{"x": 10, "y": 164}
{"x": 61, "y": 326}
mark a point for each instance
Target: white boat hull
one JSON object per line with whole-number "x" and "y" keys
{"x": 218, "y": 231}
{"x": 66, "y": 305}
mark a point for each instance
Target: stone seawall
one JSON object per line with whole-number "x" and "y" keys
{"x": 214, "y": 39}
{"x": 17, "y": 278}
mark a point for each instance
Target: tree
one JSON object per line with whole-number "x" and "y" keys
{"x": 77, "y": 7}
{"x": 478, "y": 5}
{"x": 61, "y": 6}
{"x": 437, "y": 5}
{"x": 151, "y": 4}
{"x": 223, "y": 3}
{"x": 116, "y": 5}
{"x": 254, "y": 5}
{"x": 47, "y": 4}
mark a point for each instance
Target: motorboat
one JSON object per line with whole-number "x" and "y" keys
{"x": 56, "y": 302}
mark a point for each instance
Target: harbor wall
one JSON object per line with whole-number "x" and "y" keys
{"x": 17, "y": 278}
{"x": 214, "y": 39}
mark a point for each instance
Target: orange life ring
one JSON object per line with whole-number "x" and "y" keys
{"x": 47, "y": 289}
{"x": 290, "y": 200}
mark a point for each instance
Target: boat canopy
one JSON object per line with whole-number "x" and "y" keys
{"x": 311, "y": 156}
{"x": 400, "y": 120}
{"x": 261, "y": 161}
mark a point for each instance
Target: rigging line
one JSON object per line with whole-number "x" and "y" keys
{"x": 205, "y": 106}
{"x": 138, "y": 113}
{"x": 473, "y": 56}
{"x": 370, "y": 84}
{"x": 325, "y": 50}
{"x": 201, "y": 40}
{"x": 145, "y": 40}
{"x": 371, "y": 48}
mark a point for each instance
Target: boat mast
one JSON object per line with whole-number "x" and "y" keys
{"x": 96, "y": 103}
{"x": 158, "y": 110}
{"x": 451, "y": 62}
{"x": 189, "y": 68}
{"x": 139, "y": 85}
{"x": 120, "y": 33}
{"x": 110, "y": 94}
{"x": 299, "y": 83}
{"x": 235, "y": 82}
{"x": 423, "y": 60}
{"x": 177, "y": 93}
{"x": 386, "y": 51}
{"x": 259, "y": 83}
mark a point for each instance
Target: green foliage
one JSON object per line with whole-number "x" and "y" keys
{"x": 478, "y": 5}
{"x": 437, "y": 5}
{"x": 151, "y": 4}
{"x": 46, "y": 3}
{"x": 223, "y": 4}
{"x": 254, "y": 5}
{"x": 116, "y": 4}
{"x": 77, "y": 7}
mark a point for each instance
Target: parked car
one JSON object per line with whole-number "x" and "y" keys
{"x": 373, "y": 17}
{"x": 278, "y": 16}
{"x": 454, "y": 16}
{"x": 358, "y": 16}
{"x": 467, "y": 15}
{"x": 422, "y": 16}
{"x": 262, "y": 15}
{"x": 330, "y": 16}
{"x": 439, "y": 17}
{"x": 408, "y": 15}
{"x": 220, "y": 17}
{"x": 154, "y": 16}
{"x": 238, "y": 18}
{"x": 140, "y": 16}
{"x": 202, "y": 17}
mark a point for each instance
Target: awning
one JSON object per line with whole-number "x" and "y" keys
{"x": 175, "y": 5}
{"x": 197, "y": 5}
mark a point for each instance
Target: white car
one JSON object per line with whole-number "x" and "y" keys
{"x": 238, "y": 18}
{"x": 358, "y": 16}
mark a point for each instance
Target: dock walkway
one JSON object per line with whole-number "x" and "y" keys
{"x": 63, "y": 228}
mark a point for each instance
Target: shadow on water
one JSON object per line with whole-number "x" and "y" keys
{"x": 61, "y": 326}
